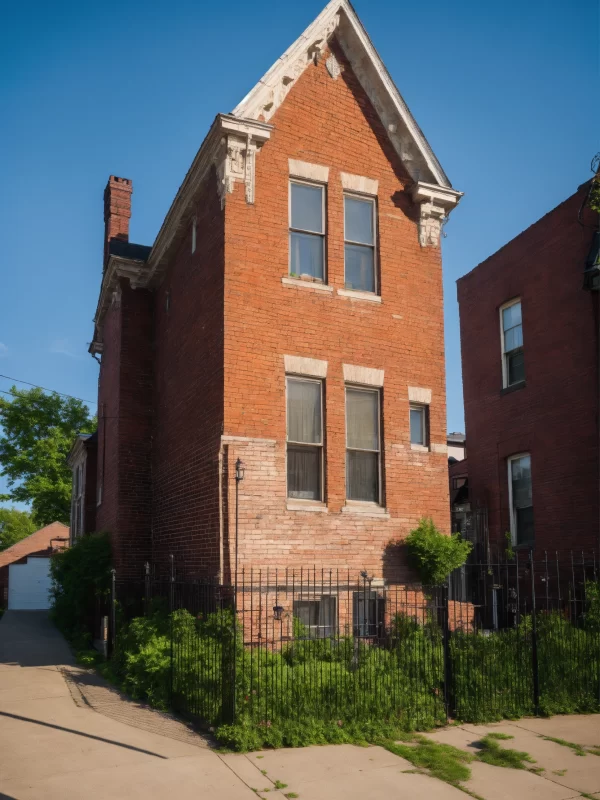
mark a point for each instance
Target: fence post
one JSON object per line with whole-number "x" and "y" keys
{"x": 534, "y": 641}
{"x": 113, "y": 610}
{"x": 446, "y": 644}
{"x": 171, "y": 605}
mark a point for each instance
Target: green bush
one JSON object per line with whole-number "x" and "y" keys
{"x": 434, "y": 555}
{"x": 80, "y": 575}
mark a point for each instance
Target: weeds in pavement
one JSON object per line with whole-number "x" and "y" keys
{"x": 490, "y": 752}
{"x": 576, "y": 748}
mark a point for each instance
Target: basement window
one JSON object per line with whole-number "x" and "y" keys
{"x": 318, "y": 617}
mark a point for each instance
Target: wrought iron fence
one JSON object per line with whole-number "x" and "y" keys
{"x": 290, "y": 646}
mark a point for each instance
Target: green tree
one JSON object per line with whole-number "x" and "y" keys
{"x": 14, "y": 526}
{"x": 37, "y": 433}
{"x": 433, "y": 554}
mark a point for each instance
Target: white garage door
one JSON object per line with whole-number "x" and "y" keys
{"x": 29, "y": 585}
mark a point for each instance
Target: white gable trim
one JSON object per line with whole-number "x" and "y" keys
{"x": 339, "y": 17}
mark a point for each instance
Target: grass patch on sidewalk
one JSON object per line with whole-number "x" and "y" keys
{"x": 576, "y": 748}
{"x": 490, "y": 752}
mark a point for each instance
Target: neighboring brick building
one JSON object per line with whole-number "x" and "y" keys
{"x": 529, "y": 338}
{"x": 299, "y": 269}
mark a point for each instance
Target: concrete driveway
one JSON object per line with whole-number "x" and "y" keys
{"x": 65, "y": 734}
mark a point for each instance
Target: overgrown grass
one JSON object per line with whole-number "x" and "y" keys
{"x": 576, "y": 748}
{"x": 442, "y": 761}
{"x": 490, "y": 752}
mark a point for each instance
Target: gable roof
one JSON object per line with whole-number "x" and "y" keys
{"x": 34, "y": 543}
{"x": 339, "y": 18}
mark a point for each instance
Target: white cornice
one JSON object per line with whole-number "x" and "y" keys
{"x": 230, "y": 146}
{"x": 340, "y": 18}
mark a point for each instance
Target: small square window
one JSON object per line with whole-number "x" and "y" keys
{"x": 418, "y": 425}
{"x": 307, "y": 230}
{"x": 317, "y": 616}
{"x": 359, "y": 243}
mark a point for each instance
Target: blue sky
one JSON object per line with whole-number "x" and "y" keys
{"x": 506, "y": 93}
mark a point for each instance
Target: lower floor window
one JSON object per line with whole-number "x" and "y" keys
{"x": 318, "y": 617}
{"x": 521, "y": 499}
{"x": 363, "y": 452}
{"x": 368, "y": 613}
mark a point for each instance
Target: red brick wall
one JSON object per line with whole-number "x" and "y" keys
{"x": 555, "y": 417}
{"x": 188, "y": 396}
{"x": 125, "y": 429}
{"x": 329, "y": 122}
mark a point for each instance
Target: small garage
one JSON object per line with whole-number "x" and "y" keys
{"x": 29, "y": 585}
{"x": 25, "y": 569}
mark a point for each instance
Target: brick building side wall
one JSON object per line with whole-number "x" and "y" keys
{"x": 329, "y": 122}
{"x": 125, "y": 429}
{"x": 91, "y": 471}
{"x": 189, "y": 397}
{"x": 555, "y": 417}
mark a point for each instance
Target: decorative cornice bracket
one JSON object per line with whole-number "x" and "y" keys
{"x": 436, "y": 203}
{"x": 235, "y": 159}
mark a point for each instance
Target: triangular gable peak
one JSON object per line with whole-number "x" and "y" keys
{"x": 339, "y": 18}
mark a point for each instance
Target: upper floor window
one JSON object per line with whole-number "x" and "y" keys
{"x": 305, "y": 439}
{"x": 513, "y": 359}
{"x": 520, "y": 499}
{"x": 418, "y": 425}
{"x": 77, "y": 500}
{"x": 359, "y": 243}
{"x": 194, "y": 233}
{"x": 307, "y": 230}
{"x": 363, "y": 445}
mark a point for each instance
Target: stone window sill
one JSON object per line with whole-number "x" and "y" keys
{"x": 365, "y": 510}
{"x": 300, "y": 284}
{"x": 356, "y": 295}
{"x": 420, "y": 448}
{"x": 514, "y": 388}
{"x": 306, "y": 505}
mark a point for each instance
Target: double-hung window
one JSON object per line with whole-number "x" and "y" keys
{"x": 77, "y": 501}
{"x": 304, "y": 439}
{"x": 520, "y": 499}
{"x": 418, "y": 425}
{"x": 513, "y": 359}
{"x": 307, "y": 230}
{"x": 363, "y": 444}
{"x": 359, "y": 243}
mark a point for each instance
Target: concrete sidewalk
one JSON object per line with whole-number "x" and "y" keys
{"x": 64, "y": 733}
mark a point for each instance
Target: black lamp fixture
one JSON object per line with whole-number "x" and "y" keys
{"x": 239, "y": 470}
{"x": 278, "y": 612}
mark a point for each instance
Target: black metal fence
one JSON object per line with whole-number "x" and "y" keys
{"x": 503, "y": 639}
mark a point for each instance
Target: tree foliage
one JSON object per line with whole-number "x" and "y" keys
{"x": 14, "y": 526}
{"x": 80, "y": 575}
{"x": 38, "y": 430}
{"x": 433, "y": 554}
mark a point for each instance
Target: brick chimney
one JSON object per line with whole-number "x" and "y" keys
{"x": 117, "y": 211}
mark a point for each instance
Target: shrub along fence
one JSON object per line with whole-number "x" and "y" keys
{"x": 288, "y": 656}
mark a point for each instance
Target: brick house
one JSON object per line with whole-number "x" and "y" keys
{"x": 289, "y": 315}
{"x": 529, "y": 339}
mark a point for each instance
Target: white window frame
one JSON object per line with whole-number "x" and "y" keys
{"x": 373, "y": 201}
{"x": 372, "y": 390}
{"x": 321, "y": 631}
{"x": 323, "y": 188}
{"x": 194, "y": 235}
{"x": 511, "y": 508}
{"x": 78, "y": 499}
{"x": 321, "y": 498}
{"x": 424, "y": 409}
{"x": 505, "y": 383}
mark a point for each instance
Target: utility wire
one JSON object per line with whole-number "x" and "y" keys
{"x": 52, "y": 391}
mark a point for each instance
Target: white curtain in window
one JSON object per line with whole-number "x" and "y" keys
{"x": 304, "y": 411}
{"x": 362, "y": 419}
